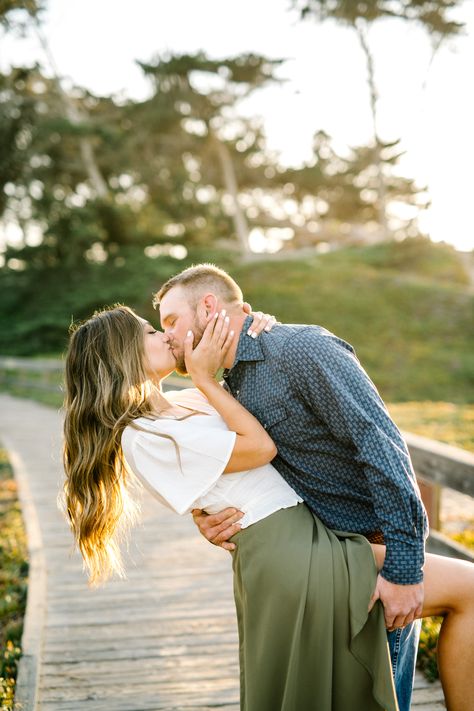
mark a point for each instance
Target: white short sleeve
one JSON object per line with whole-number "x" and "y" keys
{"x": 178, "y": 460}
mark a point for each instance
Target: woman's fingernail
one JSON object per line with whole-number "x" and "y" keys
{"x": 223, "y": 312}
{"x": 216, "y": 315}
{"x": 254, "y": 335}
{"x": 189, "y": 333}
{"x": 267, "y": 328}
{"x": 231, "y": 333}
{"x": 226, "y": 319}
{"x": 249, "y": 332}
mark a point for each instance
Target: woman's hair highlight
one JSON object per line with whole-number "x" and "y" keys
{"x": 106, "y": 388}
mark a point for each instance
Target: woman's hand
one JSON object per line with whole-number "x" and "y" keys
{"x": 261, "y": 322}
{"x": 203, "y": 362}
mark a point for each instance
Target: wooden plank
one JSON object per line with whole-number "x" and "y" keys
{"x": 441, "y": 463}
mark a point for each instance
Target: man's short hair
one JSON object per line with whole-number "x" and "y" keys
{"x": 201, "y": 278}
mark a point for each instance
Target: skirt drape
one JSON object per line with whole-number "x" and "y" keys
{"x": 306, "y": 639}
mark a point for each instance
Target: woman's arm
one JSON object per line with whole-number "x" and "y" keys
{"x": 253, "y": 445}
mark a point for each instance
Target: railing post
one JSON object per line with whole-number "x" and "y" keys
{"x": 431, "y": 497}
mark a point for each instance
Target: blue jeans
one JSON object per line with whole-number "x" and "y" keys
{"x": 403, "y": 645}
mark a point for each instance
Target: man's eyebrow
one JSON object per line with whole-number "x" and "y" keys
{"x": 168, "y": 317}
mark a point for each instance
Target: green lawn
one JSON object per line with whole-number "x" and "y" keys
{"x": 404, "y": 306}
{"x": 412, "y": 333}
{"x": 444, "y": 421}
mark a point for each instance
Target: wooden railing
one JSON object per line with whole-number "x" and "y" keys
{"x": 437, "y": 465}
{"x": 41, "y": 374}
{"x": 44, "y": 374}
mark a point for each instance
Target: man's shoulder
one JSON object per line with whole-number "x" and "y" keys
{"x": 290, "y": 337}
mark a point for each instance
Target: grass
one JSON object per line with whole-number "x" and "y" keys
{"x": 408, "y": 314}
{"x": 427, "y": 650}
{"x": 405, "y": 306}
{"x": 13, "y": 583}
{"x": 443, "y": 421}
{"x": 465, "y": 538}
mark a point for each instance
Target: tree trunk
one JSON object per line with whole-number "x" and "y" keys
{"x": 230, "y": 182}
{"x": 381, "y": 188}
{"x": 75, "y": 117}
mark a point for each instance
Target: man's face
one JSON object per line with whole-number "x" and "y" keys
{"x": 177, "y": 318}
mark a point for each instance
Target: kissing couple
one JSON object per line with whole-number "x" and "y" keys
{"x": 294, "y": 465}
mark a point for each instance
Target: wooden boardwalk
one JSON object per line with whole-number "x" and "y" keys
{"x": 164, "y": 639}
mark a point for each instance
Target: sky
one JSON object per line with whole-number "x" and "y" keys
{"x": 430, "y": 107}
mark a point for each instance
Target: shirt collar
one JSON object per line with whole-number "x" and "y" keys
{"x": 248, "y": 348}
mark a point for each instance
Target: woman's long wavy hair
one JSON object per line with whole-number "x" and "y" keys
{"x": 106, "y": 389}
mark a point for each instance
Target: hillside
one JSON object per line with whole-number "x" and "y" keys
{"x": 406, "y": 307}
{"x": 409, "y": 314}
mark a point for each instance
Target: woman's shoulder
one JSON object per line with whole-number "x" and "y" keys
{"x": 191, "y": 398}
{"x": 143, "y": 426}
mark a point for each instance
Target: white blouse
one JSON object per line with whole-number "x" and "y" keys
{"x": 181, "y": 463}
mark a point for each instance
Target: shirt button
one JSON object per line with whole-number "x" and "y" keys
{"x": 237, "y": 392}
{"x": 265, "y": 425}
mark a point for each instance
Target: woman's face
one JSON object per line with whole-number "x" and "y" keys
{"x": 159, "y": 358}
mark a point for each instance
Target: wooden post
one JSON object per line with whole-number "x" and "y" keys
{"x": 431, "y": 497}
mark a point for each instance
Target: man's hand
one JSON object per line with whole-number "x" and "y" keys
{"x": 218, "y": 528}
{"x": 402, "y": 603}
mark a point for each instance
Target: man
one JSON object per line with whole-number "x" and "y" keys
{"x": 337, "y": 446}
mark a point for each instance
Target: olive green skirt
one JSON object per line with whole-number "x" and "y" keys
{"x": 307, "y": 642}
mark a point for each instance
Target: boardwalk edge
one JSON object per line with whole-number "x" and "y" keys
{"x": 26, "y": 692}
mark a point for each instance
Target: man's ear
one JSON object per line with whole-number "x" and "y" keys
{"x": 246, "y": 307}
{"x": 209, "y": 305}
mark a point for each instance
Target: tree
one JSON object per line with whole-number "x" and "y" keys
{"x": 432, "y": 15}
{"x": 81, "y": 249}
{"x": 12, "y": 13}
{"x": 207, "y": 111}
{"x": 337, "y": 194}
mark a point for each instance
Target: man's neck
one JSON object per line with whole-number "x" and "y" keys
{"x": 236, "y": 323}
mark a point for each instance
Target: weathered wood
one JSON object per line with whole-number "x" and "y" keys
{"x": 18, "y": 372}
{"x": 442, "y": 464}
{"x": 442, "y": 545}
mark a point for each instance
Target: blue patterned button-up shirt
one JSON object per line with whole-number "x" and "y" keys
{"x": 337, "y": 446}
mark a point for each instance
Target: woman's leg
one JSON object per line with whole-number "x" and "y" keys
{"x": 449, "y": 592}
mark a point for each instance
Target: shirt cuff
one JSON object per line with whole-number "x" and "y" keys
{"x": 403, "y": 563}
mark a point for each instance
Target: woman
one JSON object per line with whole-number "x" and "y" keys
{"x": 302, "y": 591}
